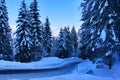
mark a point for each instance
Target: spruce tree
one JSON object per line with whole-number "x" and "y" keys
{"x": 5, "y": 33}
{"x": 47, "y": 40}
{"x": 85, "y": 29}
{"x": 67, "y": 41}
{"x": 115, "y": 6}
{"x": 74, "y": 39}
{"x": 101, "y": 28}
{"x": 63, "y": 44}
{"x": 23, "y": 42}
{"x": 36, "y": 25}
{"x": 54, "y": 46}
{"x": 60, "y": 51}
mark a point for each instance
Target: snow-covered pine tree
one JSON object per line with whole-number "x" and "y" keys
{"x": 74, "y": 40}
{"x": 5, "y": 33}
{"x": 59, "y": 46}
{"x": 115, "y": 6}
{"x": 47, "y": 38}
{"x": 64, "y": 46}
{"x": 60, "y": 49}
{"x": 54, "y": 46}
{"x": 37, "y": 36}
{"x": 67, "y": 41}
{"x": 101, "y": 30}
{"x": 23, "y": 42}
{"x": 85, "y": 29}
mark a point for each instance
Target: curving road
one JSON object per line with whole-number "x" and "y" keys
{"x": 39, "y": 73}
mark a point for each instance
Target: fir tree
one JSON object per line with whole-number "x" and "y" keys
{"x": 63, "y": 44}
{"x": 23, "y": 42}
{"x": 5, "y": 33}
{"x": 60, "y": 52}
{"x": 100, "y": 26}
{"x": 54, "y": 46}
{"x": 36, "y": 25}
{"x": 67, "y": 41}
{"x": 115, "y": 6}
{"x": 74, "y": 39}
{"x": 47, "y": 38}
{"x": 85, "y": 29}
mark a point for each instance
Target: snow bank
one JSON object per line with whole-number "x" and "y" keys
{"x": 85, "y": 71}
{"x": 44, "y": 63}
{"x": 105, "y": 72}
{"x": 87, "y": 67}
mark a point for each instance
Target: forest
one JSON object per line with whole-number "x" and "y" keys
{"x": 98, "y": 38}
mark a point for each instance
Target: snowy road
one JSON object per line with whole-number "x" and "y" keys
{"x": 40, "y": 73}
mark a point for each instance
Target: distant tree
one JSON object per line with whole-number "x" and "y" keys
{"x": 5, "y": 33}
{"x": 63, "y": 45}
{"x": 47, "y": 38}
{"x": 36, "y": 25}
{"x": 23, "y": 41}
{"x": 67, "y": 40}
{"x": 60, "y": 51}
{"x": 74, "y": 40}
{"x": 54, "y": 46}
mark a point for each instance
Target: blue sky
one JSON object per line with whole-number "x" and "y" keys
{"x": 60, "y": 12}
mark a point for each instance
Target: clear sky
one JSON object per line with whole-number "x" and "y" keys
{"x": 60, "y": 12}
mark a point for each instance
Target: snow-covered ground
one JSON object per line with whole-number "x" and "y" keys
{"x": 44, "y": 63}
{"x": 88, "y": 71}
{"x": 83, "y": 71}
{"x": 75, "y": 77}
